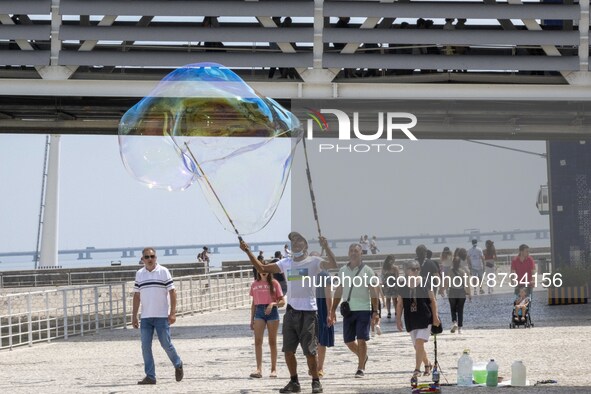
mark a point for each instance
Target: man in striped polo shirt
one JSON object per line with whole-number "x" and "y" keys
{"x": 153, "y": 288}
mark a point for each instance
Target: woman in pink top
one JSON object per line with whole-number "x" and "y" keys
{"x": 266, "y": 298}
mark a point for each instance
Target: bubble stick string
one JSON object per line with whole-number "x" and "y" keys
{"x": 213, "y": 190}
{"x": 312, "y": 197}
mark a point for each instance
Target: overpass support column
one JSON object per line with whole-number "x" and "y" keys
{"x": 49, "y": 233}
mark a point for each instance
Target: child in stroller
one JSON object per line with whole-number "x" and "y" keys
{"x": 520, "y": 314}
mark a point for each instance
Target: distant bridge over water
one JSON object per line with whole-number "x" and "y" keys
{"x": 173, "y": 250}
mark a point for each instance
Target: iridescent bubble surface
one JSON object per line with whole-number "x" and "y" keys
{"x": 203, "y": 123}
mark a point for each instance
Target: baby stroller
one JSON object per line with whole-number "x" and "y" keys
{"x": 516, "y": 320}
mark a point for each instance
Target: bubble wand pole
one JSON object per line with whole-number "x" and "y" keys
{"x": 213, "y": 191}
{"x": 312, "y": 197}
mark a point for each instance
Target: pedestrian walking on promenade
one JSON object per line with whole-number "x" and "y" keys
{"x": 420, "y": 313}
{"x": 524, "y": 266}
{"x": 152, "y": 289}
{"x": 476, "y": 263}
{"x": 490, "y": 269}
{"x": 266, "y": 298}
{"x": 300, "y": 322}
{"x": 362, "y": 304}
{"x": 458, "y": 287}
{"x": 390, "y": 274}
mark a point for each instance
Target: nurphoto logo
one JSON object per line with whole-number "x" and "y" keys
{"x": 398, "y": 123}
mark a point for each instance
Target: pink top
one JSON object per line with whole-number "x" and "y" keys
{"x": 261, "y": 293}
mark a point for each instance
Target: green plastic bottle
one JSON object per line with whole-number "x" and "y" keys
{"x": 492, "y": 374}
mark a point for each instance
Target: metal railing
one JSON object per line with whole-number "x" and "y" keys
{"x": 75, "y": 277}
{"x": 42, "y": 316}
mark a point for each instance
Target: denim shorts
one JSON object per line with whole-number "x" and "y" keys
{"x": 259, "y": 313}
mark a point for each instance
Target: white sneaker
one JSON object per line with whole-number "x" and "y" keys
{"x": 454, "y": 327}
{"x": 459, "y": 330}
{"x": 378, "y": 330}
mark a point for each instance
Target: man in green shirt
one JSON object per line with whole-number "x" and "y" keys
{"x": 361, "y": 293}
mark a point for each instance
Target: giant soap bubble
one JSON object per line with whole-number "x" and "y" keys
{"x": 204, "y": 123}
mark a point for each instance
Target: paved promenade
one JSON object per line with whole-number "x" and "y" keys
{"x": 217, "y": 350}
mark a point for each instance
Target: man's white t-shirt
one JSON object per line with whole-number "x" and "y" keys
{"x": 476, "y": 258}
{"x": 153, "y": 288}
{"x": 301, "y": 295}
{"x": 364, "y": 245}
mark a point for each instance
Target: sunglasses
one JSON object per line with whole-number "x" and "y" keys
{"x": 150, "y": 256}
{"x": 413, "y": 269}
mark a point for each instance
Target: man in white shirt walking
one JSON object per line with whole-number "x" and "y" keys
{"x": 153, "y": 287}
{"x": 476, "y": 263}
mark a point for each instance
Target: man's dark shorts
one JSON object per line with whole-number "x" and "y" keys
{"x": 356, "y": 326}
{"x": 300, "y": 328}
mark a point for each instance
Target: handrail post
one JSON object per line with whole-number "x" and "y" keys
{"x": 65, "y": 297}
{"x": 226, "y": 299}
{"x": 30, "y": 319}
{"x": 47, "y": 317}
{"x": 81, "y": 314}
{"x": 124, "y": 296}
{"x": 111, "y": 306}
{"x": 10, "y": 323}
{"x": 180, "y": 295}
{"x": 96, "y": 314}
{"x": 192, "y": 296}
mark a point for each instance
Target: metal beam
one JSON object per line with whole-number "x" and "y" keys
{"x": 32, "y": 57}
{"x": 450, "y": 10}
{"x": 178, "y": 59}
{"x": 25, "y": 7}
{"x": 189, "y": 8}
{"x": 24, "y": 32}
{"x": 171, "y": 33}
{"x": 425, "y": 129}
{"x": 454, "y": 37}
{"x": 291, "y": 90}
{"x": 434, "y": 62}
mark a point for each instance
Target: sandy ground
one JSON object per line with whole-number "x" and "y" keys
{"x": 217, "y": 351}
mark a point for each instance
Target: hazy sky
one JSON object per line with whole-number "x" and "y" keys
{"x": 101, "y": 205}
{"x": 431, "y": 187}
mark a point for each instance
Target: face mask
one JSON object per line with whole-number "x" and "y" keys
{"x": 297, "y": 254}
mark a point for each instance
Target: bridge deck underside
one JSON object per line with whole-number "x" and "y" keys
{"x": 437, "y": 119}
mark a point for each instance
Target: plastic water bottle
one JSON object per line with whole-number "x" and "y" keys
{"x": 492, "y": 374}
{"x": 436, "y": 374}
{"x": 518, "y": 373}
{"x": 465, "y": 369}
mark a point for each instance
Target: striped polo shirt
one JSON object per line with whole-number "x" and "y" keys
{"x": 153, "y": 288}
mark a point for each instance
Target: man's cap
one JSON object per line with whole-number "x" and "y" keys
{"x": 205, "y": 248}
{"x": 294, "y": 235}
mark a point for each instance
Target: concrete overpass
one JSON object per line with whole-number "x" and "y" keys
{"x": 75, "y": 67}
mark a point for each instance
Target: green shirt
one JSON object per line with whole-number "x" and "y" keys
{"x": 361, "y": 295}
